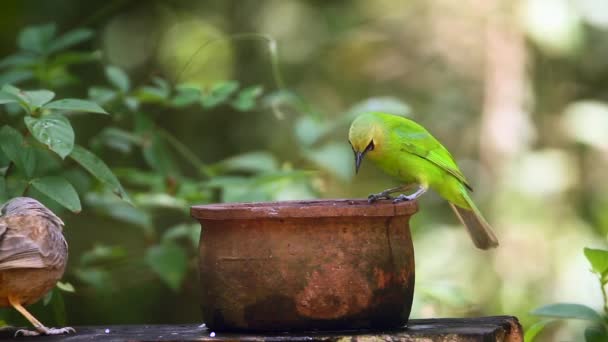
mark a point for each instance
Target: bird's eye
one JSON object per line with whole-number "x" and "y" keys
{"x": 370, "y": 146}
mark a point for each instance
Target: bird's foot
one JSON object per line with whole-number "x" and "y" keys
{"x": 404, "y": 198}
{"x": 379, "y": 196}
{"x": 45, "y": 331}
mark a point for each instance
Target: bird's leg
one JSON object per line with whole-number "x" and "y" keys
{"x": 386, "y": 194}
{"x": 40, "y": 328}
{"x": 403, "y": 197}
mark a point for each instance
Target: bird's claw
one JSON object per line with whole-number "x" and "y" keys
{"x": 379, "y": 196}
{"x": 45, "y": 331}
{"x": 403, "y": 198}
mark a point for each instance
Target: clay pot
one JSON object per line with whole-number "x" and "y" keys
{"x": 306, "y": 265}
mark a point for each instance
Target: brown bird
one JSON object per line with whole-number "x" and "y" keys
{"x": 33, "y": 256}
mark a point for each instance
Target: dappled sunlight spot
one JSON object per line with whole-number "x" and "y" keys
{"x": 290, "y": 23}
{"x": 595, "y": 12}
{"x": 194, "y": 51}
{"x": 128, "y": 41}
{"x": 587, "y": 122}
{"x": 554, "y": 25}
{"x": 544, "y": 172}
{"x": 574, "y": 282}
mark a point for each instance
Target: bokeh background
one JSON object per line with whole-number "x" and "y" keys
{"x": 517, "y": 90}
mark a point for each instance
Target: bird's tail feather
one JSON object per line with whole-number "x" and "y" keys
{"x": 478, "y": 228}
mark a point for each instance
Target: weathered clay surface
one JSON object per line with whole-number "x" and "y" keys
{"x": 337, "y": 264}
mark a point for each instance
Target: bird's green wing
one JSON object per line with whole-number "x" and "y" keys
{"x": 416, "y": 140}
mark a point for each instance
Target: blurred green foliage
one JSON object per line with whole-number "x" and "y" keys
{"x": 598, "y": 328}
{"x": 250, "y": 100}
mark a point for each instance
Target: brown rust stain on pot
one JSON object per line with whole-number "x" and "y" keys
{"x": 334, "y": 291}
{"x": 327, "y": 264}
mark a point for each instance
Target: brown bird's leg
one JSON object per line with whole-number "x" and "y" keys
{"x": 40, "y": 328}
{"x": 386, "y": 194}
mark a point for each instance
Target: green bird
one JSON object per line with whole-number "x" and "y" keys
{"x": 407, "y": 151}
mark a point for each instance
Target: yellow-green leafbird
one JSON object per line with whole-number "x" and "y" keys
{"x": 405, "y": 150}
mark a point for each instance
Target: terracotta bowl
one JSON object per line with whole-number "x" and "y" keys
{"x": 306, "y": 265}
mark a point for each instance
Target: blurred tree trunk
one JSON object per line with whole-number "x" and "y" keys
{"x": 506, "y": 128}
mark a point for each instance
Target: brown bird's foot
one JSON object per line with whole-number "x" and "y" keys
{"x": 45, "y": 331}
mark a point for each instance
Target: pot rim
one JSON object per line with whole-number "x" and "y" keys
{"x": 303, "y": 209}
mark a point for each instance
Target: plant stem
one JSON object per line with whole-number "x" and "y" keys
{"x": 182, "y": 149}
{"x": 9, "y": 168}
{"x": 605, "y": 296}
{"x": 272, "y": 49}
{"x": 27, "y": 187}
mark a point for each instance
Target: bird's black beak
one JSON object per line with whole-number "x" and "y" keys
{"x": 358, "y": 160}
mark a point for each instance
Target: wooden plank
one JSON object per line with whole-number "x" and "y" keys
{"x": 495, "y": 328}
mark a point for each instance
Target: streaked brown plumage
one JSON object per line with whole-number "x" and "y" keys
{"x": 33, "y": 256}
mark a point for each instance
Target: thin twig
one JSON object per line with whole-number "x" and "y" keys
{"x": 182, "y": 149}
{"x": 272, "y": 49}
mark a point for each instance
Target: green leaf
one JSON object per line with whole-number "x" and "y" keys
{"x": 596, "y": 334}
{"x": 118, "y": 139}
{"x": 39, "y": 98}
{"x": 102, "y": 254}
{"x": 219, "y": 93}
{"x": 280, "y": 100}
{"x": 159, "y": 93}
{"x": 96, "y": 167}
{"x": 132, "y": 103}
{"x": 13, "y": 146}
{"x": 76, "y": 105}
{"x": 6, "y": 98}
{"x": 308, "y": 130}
{"x": 18, "y": 95}
{"x": 598, "y": 259}
{"x": 64, "y": 59}
{"x": 334, "y": 157}
{"x": 568, "y": 311}
{"x": 258, "y": 161}
{"x": 190, "y": 231}
{"x": 160, "y": 200}
{"x": 54, "y": 131}
{"x": 96, "y": 277}
{"x": 246, "y": 99}
{"x": 169, "y": 261}
{"x": 60, "y": 190}
{"x": 151, "y": 94}
{"x": 157, "y": 155}
{"x": 15, "y": 76}
{"x": 17, "y": 60}
{"x": 154, "y": 148}
{"x": 69, "y": 39}
{"x": 186, "y": 95}
{"x": 118, "y": 78}
{"x": 102, "y": 95}
{"x": 535, "y": 329}
{"x": 36, "y": 38}
{"x": 65, "y": 287}
{"x": 109, "y": 205}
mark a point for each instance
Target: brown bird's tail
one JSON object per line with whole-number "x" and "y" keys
{"x": 478, "y": 228}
